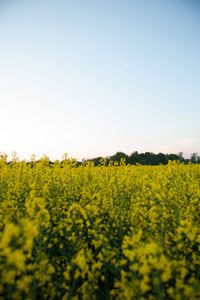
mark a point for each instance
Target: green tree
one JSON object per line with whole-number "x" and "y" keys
{"x": 172, "y": 157}
{"x": 194, "y": 157}
{"x": 117, "y": 157}
{"x": 162, "y": 158}
{"x": 134, "y": 158}
{"x": 180, "y": 154}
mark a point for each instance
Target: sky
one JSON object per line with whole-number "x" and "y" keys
{"x": 94, "y": 77}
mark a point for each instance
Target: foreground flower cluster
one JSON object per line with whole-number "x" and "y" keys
{"x": 106, "y": 232}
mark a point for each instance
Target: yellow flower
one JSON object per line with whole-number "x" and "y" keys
{"x": 17, "y": 258}
{"x": 144, "y": 286}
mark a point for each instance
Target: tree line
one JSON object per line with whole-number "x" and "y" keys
{"x": 147, "y": 158}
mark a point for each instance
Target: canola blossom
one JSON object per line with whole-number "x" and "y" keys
{"x": 105, "y": 232}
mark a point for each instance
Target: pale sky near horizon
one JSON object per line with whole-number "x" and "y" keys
{"x": 90, "y": 78}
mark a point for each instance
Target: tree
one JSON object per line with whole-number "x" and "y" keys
{"x": 154, "y": 159}
{"x": 96, "y": 160}
{"x": 194, "y": 157}
{"x": 180, "y": 154}
{"x": 148, "y": 158}
{"x": 117, "y": 157}
{"x": 172, "y": 157}
{"x": 134, "y": 158}
{"x": 162, "y": 157}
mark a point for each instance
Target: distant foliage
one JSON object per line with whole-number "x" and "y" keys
{"x": 147, "y": 158}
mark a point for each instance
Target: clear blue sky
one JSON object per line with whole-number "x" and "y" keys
{"x": 91, "y": 78}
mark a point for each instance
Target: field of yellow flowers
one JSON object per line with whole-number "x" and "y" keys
{"x": 106, "y": 232}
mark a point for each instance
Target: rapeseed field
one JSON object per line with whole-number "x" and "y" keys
{"x": 106, "y": 232}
